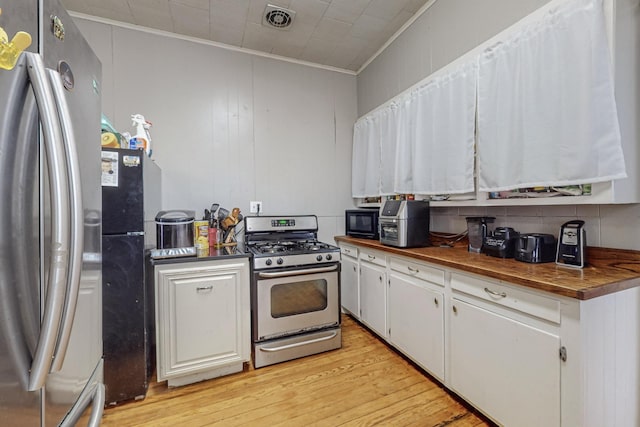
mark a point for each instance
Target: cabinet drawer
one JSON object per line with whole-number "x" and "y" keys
{"x": 350, "y": 251}
{"x": 508, "y": 296}
{"x": 373, "y": 257}
{"x": 417, "y": 270}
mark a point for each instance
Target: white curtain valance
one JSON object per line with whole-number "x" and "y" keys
{"x": 435, "y": 153}
{"x": 546, "y": 109}
{"x": 365, "y": 162}
{"x": 389, "y": 137}
{"x": 422, "y": 143}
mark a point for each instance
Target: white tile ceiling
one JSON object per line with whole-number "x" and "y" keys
{"x": 337, "y": 33}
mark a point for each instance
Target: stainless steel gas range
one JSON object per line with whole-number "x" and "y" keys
{"x": 295, "y": 289}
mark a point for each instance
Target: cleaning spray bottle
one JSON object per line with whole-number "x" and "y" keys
{"x": 141, "y": 139}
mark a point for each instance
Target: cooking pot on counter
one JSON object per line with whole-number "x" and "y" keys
{"x": 174, "y": 229}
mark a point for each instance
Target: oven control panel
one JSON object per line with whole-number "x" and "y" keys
{"x": 283, "y": 223}
{"x": 277, "y": 224}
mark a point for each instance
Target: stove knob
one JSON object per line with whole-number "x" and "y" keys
{"x": 329, "y": 257}
{"x": 268, "y": 261}
{"x": 280, "y": 261}
{"x": 319, "y": 257}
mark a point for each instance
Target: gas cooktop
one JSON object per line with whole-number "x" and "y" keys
{"x": 286, "y": 241}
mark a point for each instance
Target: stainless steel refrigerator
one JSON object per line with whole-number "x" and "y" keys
{"x": 50, "y": 214}
{"x": 131, "y": 198}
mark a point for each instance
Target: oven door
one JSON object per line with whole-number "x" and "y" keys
{"x": 292, "y": 301}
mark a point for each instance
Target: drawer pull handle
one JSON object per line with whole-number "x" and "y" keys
{"x": 494, "y": 293}
{"x": 346, "y": 251}
{"x": 371, "y": 257}
{"x": 413, "y": 270}
{"x": 204, "y": 288}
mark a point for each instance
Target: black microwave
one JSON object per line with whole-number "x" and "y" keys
{"x": 362, "y": 223}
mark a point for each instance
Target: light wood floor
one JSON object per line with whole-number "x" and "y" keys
{"x": 363, "y": 383}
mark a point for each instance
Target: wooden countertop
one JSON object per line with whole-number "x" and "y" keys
{"x": 608, "y": 270}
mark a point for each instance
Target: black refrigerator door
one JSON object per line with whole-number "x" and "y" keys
{"x": 122, "y": 191}
{"x": 125, "y": 330}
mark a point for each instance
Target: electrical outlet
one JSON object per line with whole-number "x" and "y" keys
{"x": 255, "y": 207}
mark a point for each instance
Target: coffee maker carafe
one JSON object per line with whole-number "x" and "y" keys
{"x": 477, "y": 231}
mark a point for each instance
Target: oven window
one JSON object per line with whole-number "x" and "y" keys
{"x": 289, "y": 299}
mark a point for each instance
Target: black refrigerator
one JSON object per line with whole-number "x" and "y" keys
{"x": 131, "y": 199}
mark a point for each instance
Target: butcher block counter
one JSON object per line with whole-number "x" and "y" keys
{"x": 608, "y": 270}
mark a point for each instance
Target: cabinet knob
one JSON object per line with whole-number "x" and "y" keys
{"x": 354, "y": 268}
{"x": 435, "y": 301}
{"x": 455, "y": 309}
{"x": 381, "y": 278}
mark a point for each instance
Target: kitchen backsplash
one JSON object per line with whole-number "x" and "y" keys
{"x": 613, "y": 226}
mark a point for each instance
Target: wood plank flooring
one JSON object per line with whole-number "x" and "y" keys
{"x": 364, "y": 383}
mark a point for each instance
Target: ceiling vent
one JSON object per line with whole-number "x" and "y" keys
{"x": 278, "y": 17}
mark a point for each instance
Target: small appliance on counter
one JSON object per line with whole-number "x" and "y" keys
{"x": 174, "y": 234}
{"x": 501, "y": 243}
{"x": 535, "y": 248}
{"x": 362, "y": 223}
{"x": 477, "y": 228}
{"x": 572, "y": 244}
{"x": 404, "y": 223}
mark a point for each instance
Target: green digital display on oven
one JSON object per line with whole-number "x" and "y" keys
{"x": 283, "y": 222}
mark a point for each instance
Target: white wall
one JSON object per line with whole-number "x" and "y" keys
{"x": 230, "y": 127}
{"x": 449, "y": 29}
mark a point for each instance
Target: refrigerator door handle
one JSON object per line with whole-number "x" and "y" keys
{"x": 94, "y": 394}
{"x": 60, "y": 229}
{"x": 77, "y": 220}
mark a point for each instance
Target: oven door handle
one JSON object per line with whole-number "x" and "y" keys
{"x": 267, "y": 275}
{"x": 298, "y": 344}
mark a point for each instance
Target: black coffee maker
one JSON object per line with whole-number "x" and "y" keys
{"x": 572, "y": 244}
{"x": 477, "y": 229}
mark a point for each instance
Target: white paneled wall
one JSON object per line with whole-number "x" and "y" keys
{"x": 230, "y": 127}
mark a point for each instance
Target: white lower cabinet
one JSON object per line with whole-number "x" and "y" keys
{"x": 521, "y": 356}
{"x": 504, "y": 351}
{"x": 349, "y": 288}
{"x": 373, "y": 301}
{"x": 416, "y": 314}
{"x": 202, "y": 319}
{"x": 508, "y": 369}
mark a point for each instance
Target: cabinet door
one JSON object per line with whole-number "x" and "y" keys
{"x": 416, "y": 322}
{"x": 349, "y": 294}
{"x": 372, "y": 298}
{"x": 202, "y": 317}
{"x": 509, "y": 369}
